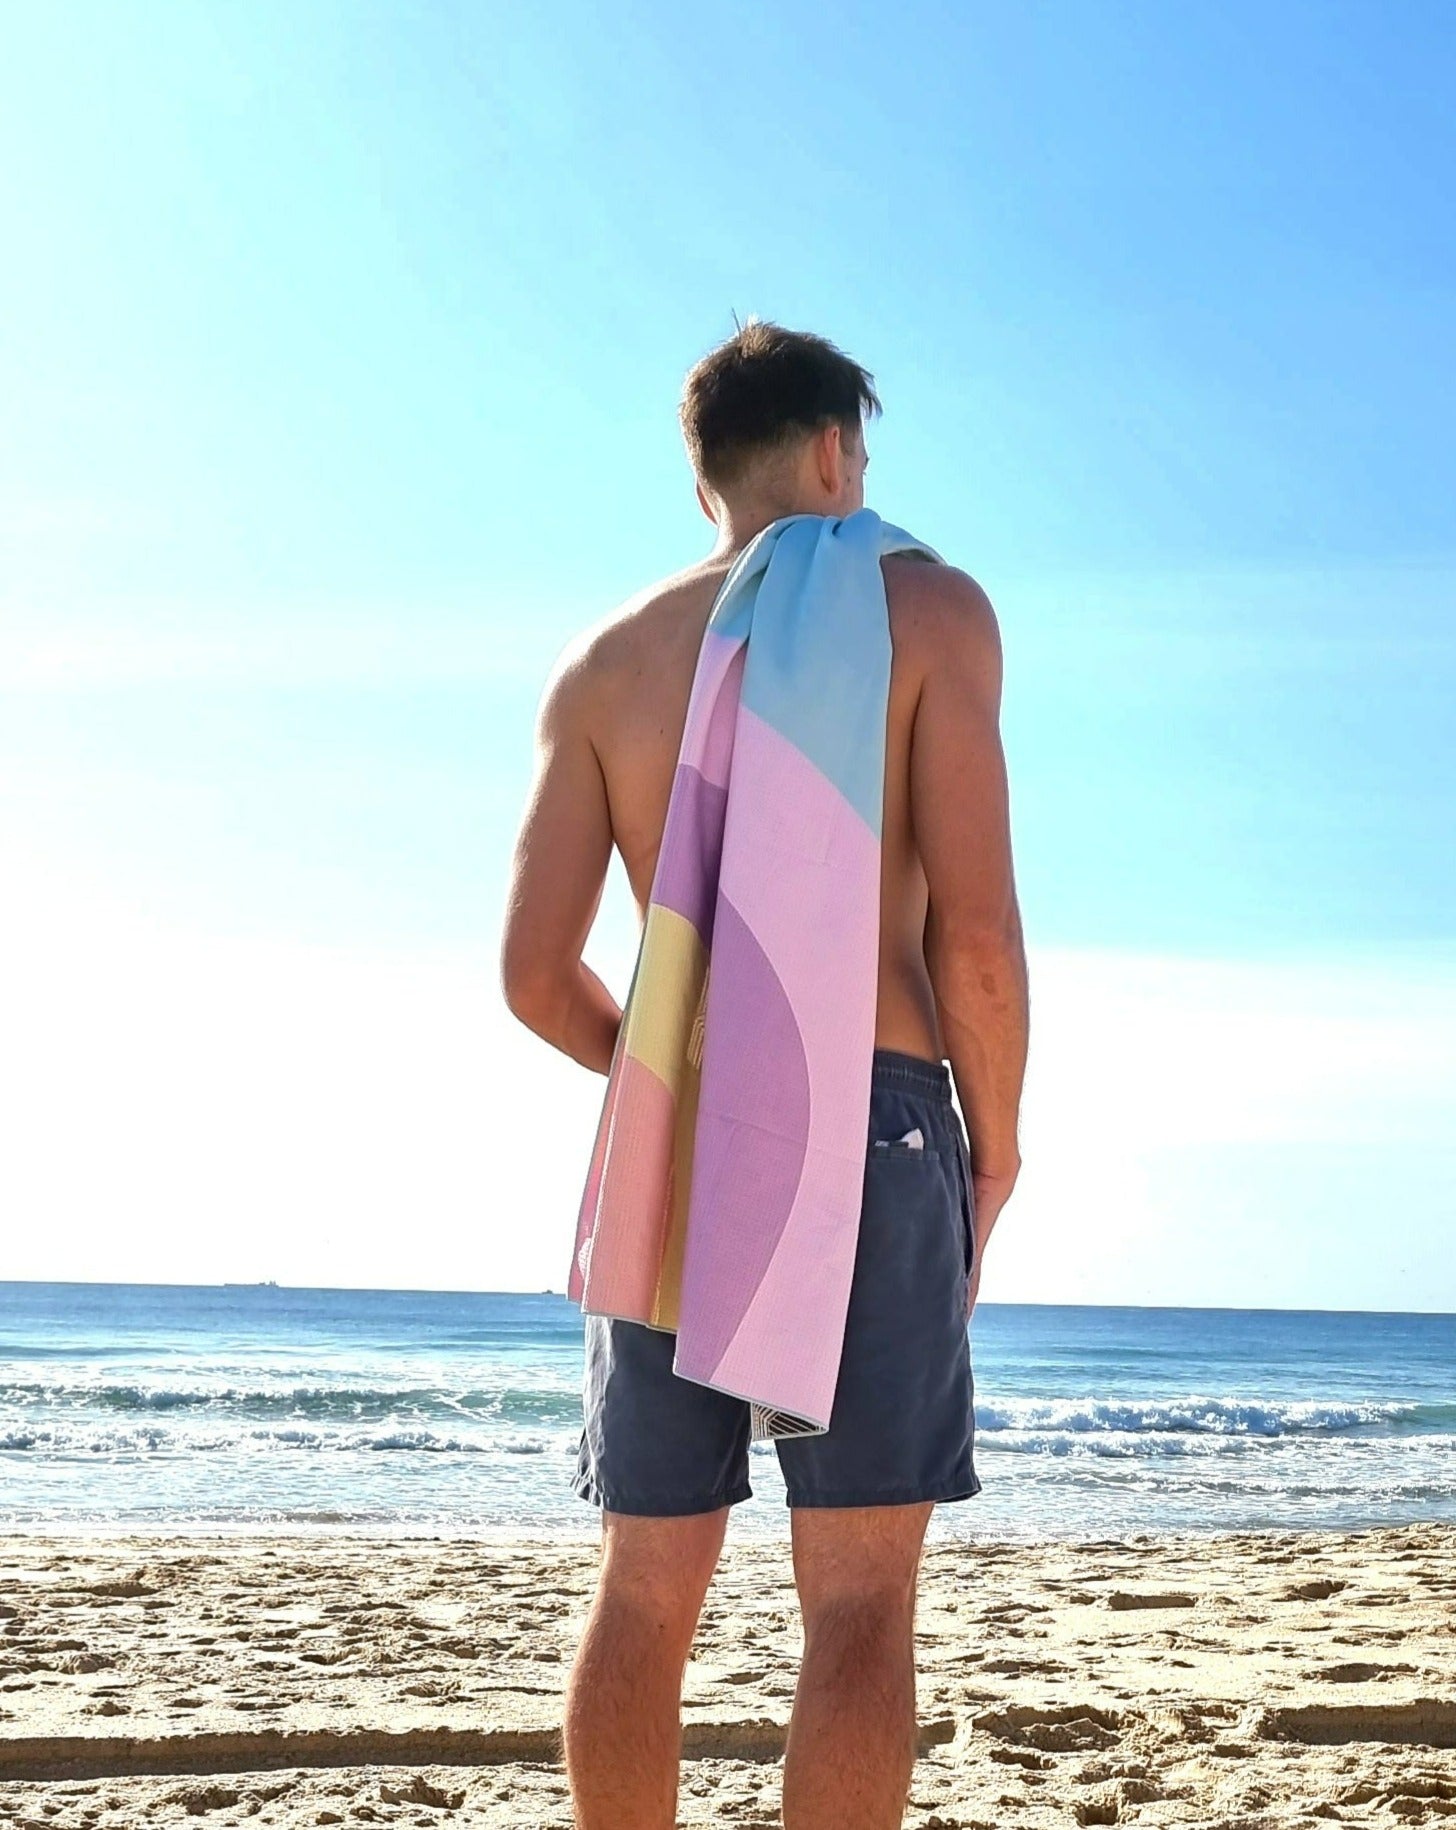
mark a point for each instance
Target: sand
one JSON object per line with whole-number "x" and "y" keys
{"x": 1225, "y": 1681}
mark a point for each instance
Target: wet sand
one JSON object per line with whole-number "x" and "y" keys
{"x": 1232, "y": 1682}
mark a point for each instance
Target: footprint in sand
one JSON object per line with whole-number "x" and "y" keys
{"x": 1070, "y": 1728}
{"x": 195, "y": 1800}
{"x": 1422, "y": 1722}
{"x": 419, "y": 1791}
{"x": 77, "y": 1662}
{"x": 1022, "y": 1757}
{"x": 1318, "y": 1588}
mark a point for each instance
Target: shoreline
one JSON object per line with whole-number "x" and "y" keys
{"x": 1243, "y": 1678}
{"x": 943, "y": 1532}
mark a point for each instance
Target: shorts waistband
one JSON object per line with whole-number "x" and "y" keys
{"x": 892, "y": 1068}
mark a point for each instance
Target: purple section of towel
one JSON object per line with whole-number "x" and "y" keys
{"x": 692, "y": 845}
{"x": 734, "y": 1223}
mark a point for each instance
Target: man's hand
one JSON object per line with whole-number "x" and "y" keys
{"x": 989, "y": 1194}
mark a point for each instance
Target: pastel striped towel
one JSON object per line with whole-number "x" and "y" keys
{"x": 723, "y": 1197}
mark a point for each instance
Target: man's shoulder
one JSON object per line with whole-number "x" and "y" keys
{"x": 603, "y": 666}
{"x": 932, "y": 582}
{"x": 639, "y": 622}
{"x": 932, "y": 606}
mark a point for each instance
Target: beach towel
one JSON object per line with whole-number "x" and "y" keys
{"x": 723, "y": 1195}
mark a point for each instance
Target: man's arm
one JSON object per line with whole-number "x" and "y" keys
{"x": 973, "y": 938}
{"x": 557, "y": 876}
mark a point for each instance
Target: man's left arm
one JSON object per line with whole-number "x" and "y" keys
{"x": 558, "y": 871}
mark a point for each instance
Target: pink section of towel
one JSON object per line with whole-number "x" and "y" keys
{"x": 801, "y": 870}
{"x": 707, "y": 743}
{"x": 626, "y": 1256}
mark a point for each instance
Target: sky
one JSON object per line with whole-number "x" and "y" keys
{"x": 339, "y": 356}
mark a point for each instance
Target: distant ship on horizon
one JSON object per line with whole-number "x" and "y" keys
{"x": 262, "y": 1283}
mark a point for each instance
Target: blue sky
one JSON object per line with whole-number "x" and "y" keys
{"x": 339, "y": 352}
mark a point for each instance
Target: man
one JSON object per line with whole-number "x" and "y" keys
{"x": 773, "y": 421}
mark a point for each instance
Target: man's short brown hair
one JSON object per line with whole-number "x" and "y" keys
{"x": 760, "y": 390}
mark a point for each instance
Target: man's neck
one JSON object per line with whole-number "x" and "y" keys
{"x": 738, "y": 532}
{"x": 732, "y": 540}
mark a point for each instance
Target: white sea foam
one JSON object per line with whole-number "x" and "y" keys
{"x": 1194, "y": 1414}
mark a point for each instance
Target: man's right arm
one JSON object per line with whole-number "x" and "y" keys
{"x": 960, "y": 807}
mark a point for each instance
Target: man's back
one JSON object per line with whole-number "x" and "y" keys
{"x": 635, "y": 675}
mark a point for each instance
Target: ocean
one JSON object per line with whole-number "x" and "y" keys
{"x": 150, "y": 1407}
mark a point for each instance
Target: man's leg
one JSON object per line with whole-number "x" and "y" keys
{"x": 852, "y": 1737}
{"x": 623, "y": 1732}
{"x": 901, "y": 1440}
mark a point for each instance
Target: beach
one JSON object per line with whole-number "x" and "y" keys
{"x": 1229, "y": 1680}
{"x": 299, "y": 1557}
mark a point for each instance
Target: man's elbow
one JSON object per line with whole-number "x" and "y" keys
{"x": 534, "y": 990}
{"x": 996, "y": 930}
{"x": 967, "y": 947}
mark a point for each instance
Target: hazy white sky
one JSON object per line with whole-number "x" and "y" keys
{"x": 190, "y": 1107}
{"x": 339, "y": 370}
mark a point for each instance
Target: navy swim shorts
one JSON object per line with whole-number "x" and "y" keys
{"x": 903, "y": 1423}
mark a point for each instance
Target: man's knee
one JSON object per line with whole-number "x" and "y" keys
{"x": 857, "y": 1573}
{"x": 655, "y": 1572}
{"x": 860, "y": 1630}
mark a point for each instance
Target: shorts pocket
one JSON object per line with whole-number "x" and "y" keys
{"x": 886, "y": 1151}
{"x": 967, "y": 1195}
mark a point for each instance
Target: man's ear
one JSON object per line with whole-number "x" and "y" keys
{"x": 829, "y": 457}
{"x": 706, "y": 506}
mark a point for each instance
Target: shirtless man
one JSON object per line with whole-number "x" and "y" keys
{"x": 774, "y": 425}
